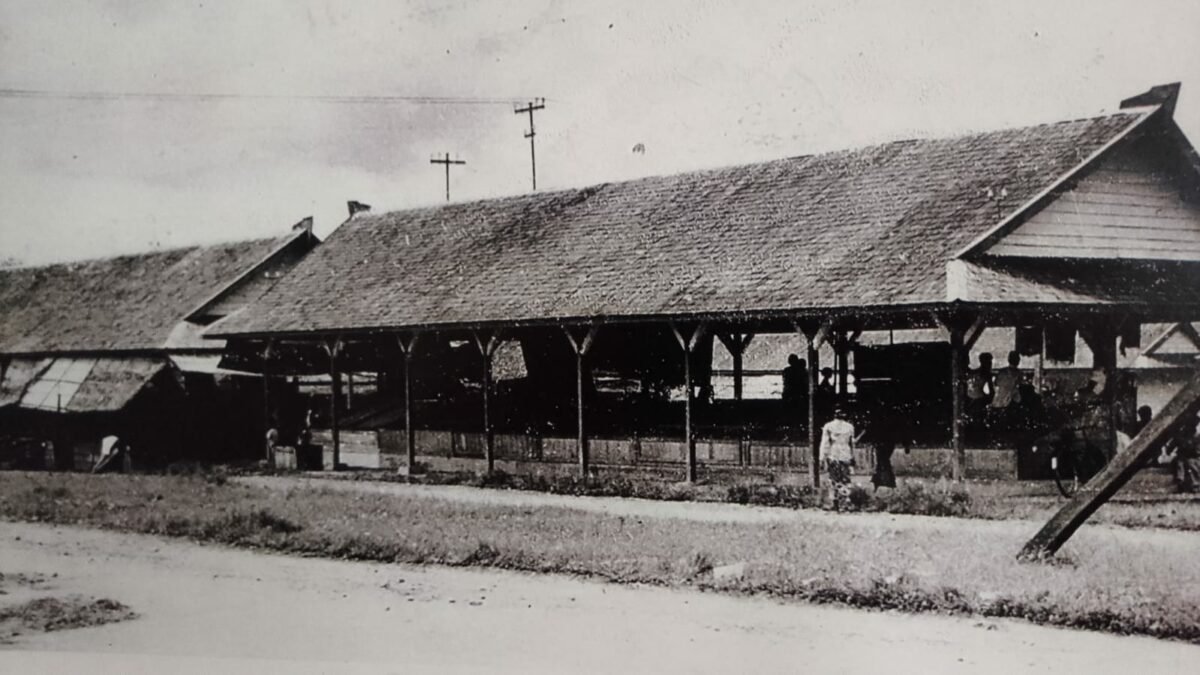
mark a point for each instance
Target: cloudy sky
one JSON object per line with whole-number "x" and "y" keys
{"x": 85, "y": 171}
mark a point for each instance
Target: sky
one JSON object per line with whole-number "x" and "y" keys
{"x": 123, "y": 150}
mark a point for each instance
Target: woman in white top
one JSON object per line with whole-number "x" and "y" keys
{"x": 837, "y": 454}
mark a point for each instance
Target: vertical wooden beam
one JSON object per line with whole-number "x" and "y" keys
{"x": 407, "y": 347}
{"x": 962, "y": 329}
{"x": 688, "y": 340}
{"x": 487, "y": 344}
{"x": 581, "y": 348}
{"x": 333, "y": 348}
{"x": 958, "y": 395}
{"x": 1101, "y": 338}
{"x": 266, "y": 382}
{"x": 814, "y": 336}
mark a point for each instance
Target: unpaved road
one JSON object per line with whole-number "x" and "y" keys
{"x": 211, "y": 609}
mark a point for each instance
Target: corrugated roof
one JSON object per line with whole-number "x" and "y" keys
{"x": 868, "y": 227}
{"x": 88, "y": 384}
{"x": 129, "y": 302}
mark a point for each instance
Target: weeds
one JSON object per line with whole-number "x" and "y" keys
{"x": 43, "y": 615}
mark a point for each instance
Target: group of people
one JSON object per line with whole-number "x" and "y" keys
{"x": 1001, "y": 397}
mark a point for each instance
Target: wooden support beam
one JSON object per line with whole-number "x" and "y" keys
{"x": 688, "y": 340}
{"x": 814, "y": 335}
{"x": 268, "y": 348}
{"x": 1179, "y": 410}
{"x": 581, "y": 347}
{"x": 958, "y": 396}
{"x": 333, "y": 348}
{"x": 974, "y": 332}
{"x": 962, "y": 329}
{"x": 736, "y": 343}
{"x": 487, "y": 344}
{"x": 407, "y": 347}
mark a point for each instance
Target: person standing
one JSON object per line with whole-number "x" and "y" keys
{"x": 980, "y": 389}
{"x": 837, "y": 454}
{"x": 795, "y": 379}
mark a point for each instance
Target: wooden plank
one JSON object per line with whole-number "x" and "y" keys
{"x": 1070, "y": 218}
{"x": 1114, "y": 188}
{"x": 1026, "y": 250}
{"x": 1100, "y": 196}
{"x": 1179, "y": 410}
{"x": 1115, "y": 243}
{"x": 1104, "y": 226}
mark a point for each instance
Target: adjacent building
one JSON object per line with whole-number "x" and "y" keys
{"x": 113, "y": 347}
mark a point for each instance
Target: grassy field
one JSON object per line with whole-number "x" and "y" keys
{"x": 1100, "y": 581}
{"x": 988, "y": 500}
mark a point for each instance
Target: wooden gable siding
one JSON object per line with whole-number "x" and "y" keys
{"x": 1130, "y": 206}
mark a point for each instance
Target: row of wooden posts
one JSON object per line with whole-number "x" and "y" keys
{"x": 963, "y": 331}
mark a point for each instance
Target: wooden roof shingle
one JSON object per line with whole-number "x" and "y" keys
{"x": 860, "y": 228}
{"x": 125, "y": 303}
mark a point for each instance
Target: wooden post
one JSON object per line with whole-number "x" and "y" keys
{"x": 266, "y": 380}
{"x": 333, "y": 349}
{"x": 487, "y": 348}
{"x": 814, "y": 336}
{"x": 407, "y": 347}
{"x": 958, "y": 393}
{"x": 1101, "y": 338}
{"x": 688, "y": 343}
{"x": 1091, "y": 496}
{"x": 736, "y": 344}
{"x": 963, "y": 330}
{"x": 581, "y": 349}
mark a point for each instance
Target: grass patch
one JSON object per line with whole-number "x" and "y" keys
{"x": 986, "y": 500}
{"x": 43, "y": 615}
{"x": 1100, "y": 581}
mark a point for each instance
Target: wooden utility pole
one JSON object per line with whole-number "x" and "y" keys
{"x": 530, "y": 107}
{"x": 446, "y": 161}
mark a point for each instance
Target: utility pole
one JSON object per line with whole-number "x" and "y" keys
{"x": 446, "y": 161}
{"x": 535, "y": 104}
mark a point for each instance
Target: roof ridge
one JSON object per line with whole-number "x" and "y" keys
{"x": 596, "y": 187}
{"x": 189, "y": 248}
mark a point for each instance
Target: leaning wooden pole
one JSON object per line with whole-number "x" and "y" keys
{"x": 1123, "y": 466}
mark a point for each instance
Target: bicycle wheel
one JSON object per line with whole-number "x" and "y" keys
{"x": 1065, "y": 475}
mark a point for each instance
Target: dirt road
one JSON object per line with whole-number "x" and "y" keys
{"x": 207, "y": 608}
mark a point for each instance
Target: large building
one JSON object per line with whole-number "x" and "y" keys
{"x": 113, "y": 346}
{"x": 614, "y": 297}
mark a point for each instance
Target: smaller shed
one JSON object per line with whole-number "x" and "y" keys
{"x": 113, "y": 346}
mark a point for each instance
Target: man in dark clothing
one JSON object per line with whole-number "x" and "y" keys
{"x": 795, "y": 380}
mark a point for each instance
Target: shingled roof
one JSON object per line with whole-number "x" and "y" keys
{"x": 870, "y": 227}
{"x": 131, "y": 302}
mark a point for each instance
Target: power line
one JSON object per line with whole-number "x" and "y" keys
{"x": 447, "y": 161}
{"x": 228, "y": 96}
{"x": 535, "y": 104}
